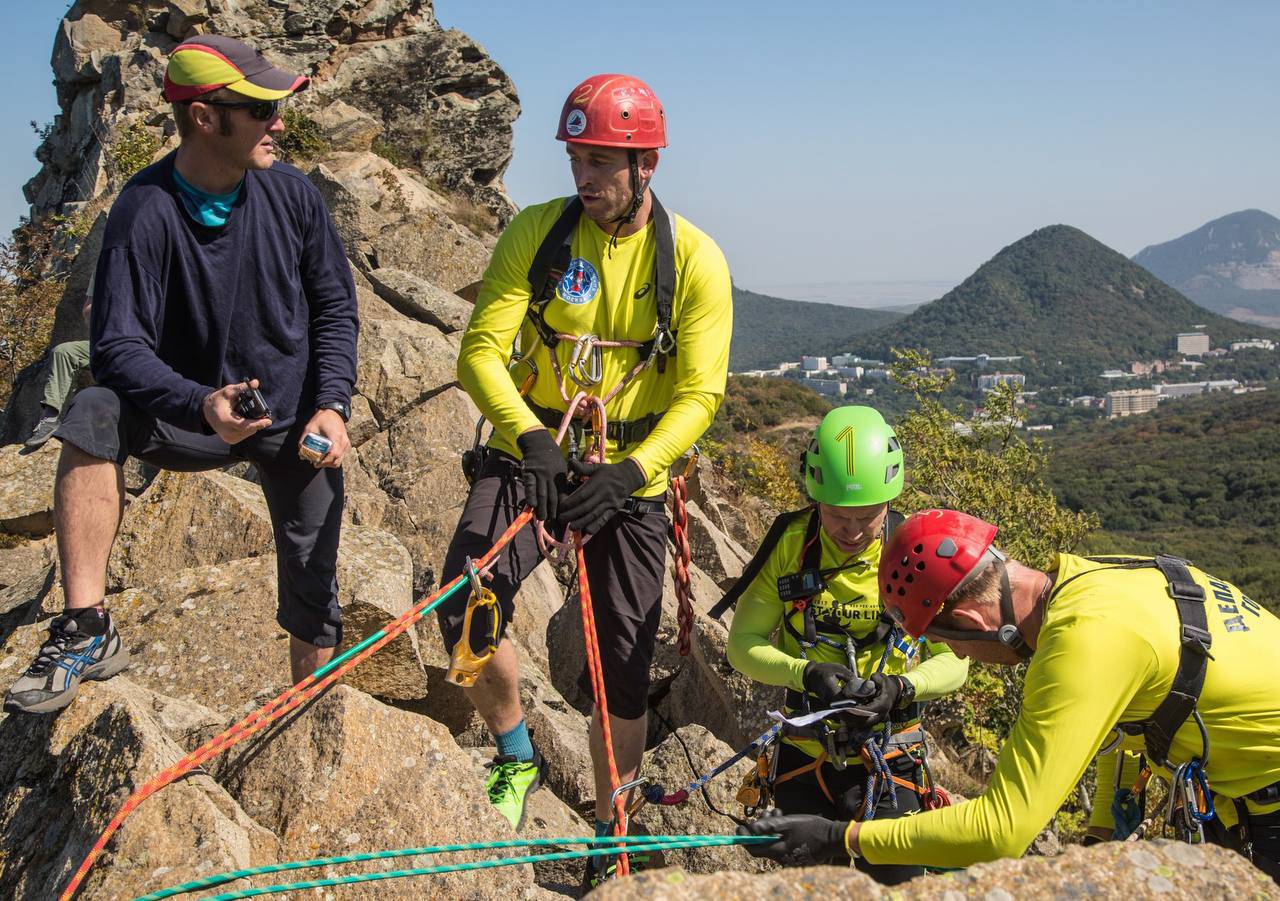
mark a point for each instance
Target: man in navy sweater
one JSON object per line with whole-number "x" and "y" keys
{"x": 220, "y": 271}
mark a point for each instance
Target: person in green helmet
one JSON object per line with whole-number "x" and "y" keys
{"x": 810, "y": 619}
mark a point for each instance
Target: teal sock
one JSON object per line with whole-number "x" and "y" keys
{"x": 516, "y": 743}
{"x": 603, "y": 829}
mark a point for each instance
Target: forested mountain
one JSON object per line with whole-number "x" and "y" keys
{"x": 1230, "y": 265}
{"x": 770, "y": 330}
{"x": 1066, "y": 302}
{"x": 1197, "y": 478}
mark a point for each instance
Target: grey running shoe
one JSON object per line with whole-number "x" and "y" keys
{"x": 44, "y": 428}
{"x": 70, "y": 655}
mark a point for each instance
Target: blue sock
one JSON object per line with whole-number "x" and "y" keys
{"x": 603, "y": 829}
{"x": 516, "y": 743}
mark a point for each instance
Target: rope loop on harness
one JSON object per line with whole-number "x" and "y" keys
{"x": 683, "y": 557}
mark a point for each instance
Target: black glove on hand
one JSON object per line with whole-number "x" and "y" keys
{"x": 888, "y": 689}
{"x": 829, "y": 682}
{"x": 607, "y": 488}
{"x": 544, "y": 473}
{"x": 806, "y": 840}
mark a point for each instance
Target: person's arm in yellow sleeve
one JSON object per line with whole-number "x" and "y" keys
{"x": 499, "y": 312}
{"x": 757, "y": 616}
{"x": 1101, "y": 822}
{"x": 1078, "y": 685}
{"x": 940, "y": 673}
{"x": 701, "y": 361}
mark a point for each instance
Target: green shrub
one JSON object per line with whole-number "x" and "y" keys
{"x": 131, "y": 149}
{"x": 302, "y": 139}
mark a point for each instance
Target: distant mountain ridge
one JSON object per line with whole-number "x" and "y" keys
{"x": 770, "y": 330}
{"x": 1063, "y": 300}
{"x": 1230, "y": 265}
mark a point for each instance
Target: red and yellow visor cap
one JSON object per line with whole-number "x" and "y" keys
{"x": 205, "y": 63}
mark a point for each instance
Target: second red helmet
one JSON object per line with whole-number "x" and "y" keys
{"x": 930, "y": 555}
{"x": 613, "y": 111}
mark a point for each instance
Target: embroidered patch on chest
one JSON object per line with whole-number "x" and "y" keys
{"x": 580, "y": 284}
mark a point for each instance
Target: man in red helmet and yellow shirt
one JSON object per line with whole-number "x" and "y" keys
{"x": 1144, "y": 655}
{"x": 607, "y": 265}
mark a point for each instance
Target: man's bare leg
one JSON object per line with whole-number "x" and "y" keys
{"x": 88, "y": 500}
{"x": 306, "y": 658}
{"x": 628, "y": 749}
{"x": 496, "y": 693}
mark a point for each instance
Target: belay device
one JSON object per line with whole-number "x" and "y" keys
{"x": 464, "y": 663}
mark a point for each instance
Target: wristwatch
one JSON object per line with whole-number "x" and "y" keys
{"x": 342, "y": 408}
{"x": 906, "y": 693}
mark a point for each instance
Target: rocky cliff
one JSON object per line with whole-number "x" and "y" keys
{"x": 392, "y": 757}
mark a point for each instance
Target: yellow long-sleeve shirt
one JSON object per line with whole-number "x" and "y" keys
{"x": 760, "y": 648}
{"x": 1107, "y": 653}
{"x": 614, "y": 299}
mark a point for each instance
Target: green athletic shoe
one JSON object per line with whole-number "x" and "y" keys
{"x": 511, "y": 781}
{"x": 601, "y": 869}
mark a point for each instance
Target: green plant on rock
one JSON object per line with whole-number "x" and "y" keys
{"x": 758, "y": 469}
{"x": 388, "y": 151}
{"x": 302, "y": 140}
{"x": 131, "y": 148}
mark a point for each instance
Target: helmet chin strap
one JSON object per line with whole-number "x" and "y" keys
{"x": 1008, "y": 634}
{"x": 637, "y": 198}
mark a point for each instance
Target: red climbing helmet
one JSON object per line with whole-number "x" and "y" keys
{"x": 613, "y": 111}
{"x": 929, "y": 556}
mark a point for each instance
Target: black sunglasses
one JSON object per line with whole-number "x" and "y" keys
{"x": 262, "y": 110}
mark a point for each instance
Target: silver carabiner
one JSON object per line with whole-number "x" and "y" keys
{"x": 586, "y": 363}
{"x": 664, "y": 341}
{"x": 1114, "y": 744}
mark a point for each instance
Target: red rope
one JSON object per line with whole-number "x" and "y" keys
{"x": 597, "y": 690}
{"x": 683, "y": 560}
{"x": 273, "y": 710}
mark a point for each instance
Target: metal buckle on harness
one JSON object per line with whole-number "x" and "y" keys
{"x": 1196, "y": 639}
{"x": 586, "y": 363}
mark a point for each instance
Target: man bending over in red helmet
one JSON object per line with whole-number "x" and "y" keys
{"x": 608, "y": 265}
{"x": 1137, "y": 654}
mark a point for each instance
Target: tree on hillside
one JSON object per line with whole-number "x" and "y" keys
{"x": 981, "y": 465}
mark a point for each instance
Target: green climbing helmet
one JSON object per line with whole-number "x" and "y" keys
{"x": 853, "y": 459}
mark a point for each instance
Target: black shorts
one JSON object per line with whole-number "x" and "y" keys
{"x": 804, "y": 794}
{"x": 625, "y": 564}
{"x": 305, "y": 502}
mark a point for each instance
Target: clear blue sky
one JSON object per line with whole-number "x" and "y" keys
{"x": 849, "y": 141}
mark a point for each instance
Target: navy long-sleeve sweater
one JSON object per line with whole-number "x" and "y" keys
{"x": 180, "y": 309}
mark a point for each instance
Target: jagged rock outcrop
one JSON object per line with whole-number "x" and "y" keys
{"x": 64, "y": 778}
{"x": 26, "y": 490}
{"x": 441, "y": 102}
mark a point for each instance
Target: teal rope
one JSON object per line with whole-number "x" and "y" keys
{"x": 633, "y": 844}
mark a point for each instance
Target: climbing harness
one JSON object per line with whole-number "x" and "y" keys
{"x": 464, "y": 663}
{"x": 288, "y": 701}
{"x": 597, "y": 847}
{"x": 1190, "y": 802}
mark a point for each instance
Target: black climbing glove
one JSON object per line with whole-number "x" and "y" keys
{"x": 607, "y": 488}
{"x": 544, "y": 473}
{"x": 888, "y": 691}
{"x": 830, "y": 682}
{"x": 805, "y": 840}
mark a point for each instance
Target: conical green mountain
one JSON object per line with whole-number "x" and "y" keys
{"x": 1061, "y": 299}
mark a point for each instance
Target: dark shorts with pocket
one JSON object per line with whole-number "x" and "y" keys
{"x": 305, "y": 503}
{"x": 625, "y": 560}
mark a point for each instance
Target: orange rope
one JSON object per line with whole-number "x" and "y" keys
{"x": 602, "y": 703}
{"x": 273, "y": 710}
